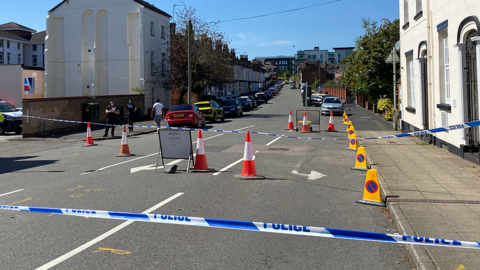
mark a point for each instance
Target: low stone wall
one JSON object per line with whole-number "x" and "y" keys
{"x": 67, "y": 108}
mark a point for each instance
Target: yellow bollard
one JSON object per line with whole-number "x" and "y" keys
{"x": 371, "y": 191}
{"x": 353, "y": 145}
{"x": 361, "y": 160}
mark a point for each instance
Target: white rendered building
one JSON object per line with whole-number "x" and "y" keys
{"x": 439, "y": 56}
{"x": 104, "y": 47}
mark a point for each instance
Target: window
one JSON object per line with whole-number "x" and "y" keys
{"x": 419, "y": 5}
{"x": 19, "y": 59}
{"x": 34, "y": 60}
{"x": 18, "y": 46}
{"x": 152, "y": 62}
{"x": 1, "y": 57}
{"x": 405, "y": 11}
{"x": 8, "y": 44}
{"x": 446, "y": 62}
{"x": 8, "y": 58}
{"x": 339, "y": 58}
{"x": 34, "y": 47}
{"x": 412, "y": 83}
{"x": 164, "y": 64}
{"x": 152, "y": 28}
{"x": 1, "y": 43}
{"x": 163, "y": 31}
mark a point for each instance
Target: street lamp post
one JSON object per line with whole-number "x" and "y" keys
{"x": 394, "y": 59}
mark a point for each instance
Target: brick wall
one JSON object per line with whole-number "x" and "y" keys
{"x": 311, "y": 72}
{"x": 67, "y": 108}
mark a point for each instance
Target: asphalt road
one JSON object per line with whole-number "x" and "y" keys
{"x": 67, "y": 175}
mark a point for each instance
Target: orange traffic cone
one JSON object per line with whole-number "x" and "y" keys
{"x": 201, "y": 158}
{"x": 248, "y": 169}
{"x": 124, "y": 150}
{"x": 331, "y": 125}
{"x": 89, "y": 137}
{"x": 305, "y": 126}
{"x": 290, "y": 122}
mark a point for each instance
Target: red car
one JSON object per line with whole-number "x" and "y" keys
{"x": 185, "y": 115}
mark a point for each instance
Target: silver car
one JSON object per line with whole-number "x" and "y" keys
{"x": 332, "y": 104}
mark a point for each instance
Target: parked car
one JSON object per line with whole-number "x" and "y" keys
{"x": 261, "y": 96}
{"x": 232, "y": 107}
{"x": 10, "y": 118}
{"x": 267, "y": 93}
{"x": 246, "y": 103}
{"x": 253, "y": 100}
{"x": 211, "y": 110}
{"x": 316, "y": 100}
{"x": 185, "y": 115}
{"x": 332, "y": 104}
{"x": 293, "y": 86}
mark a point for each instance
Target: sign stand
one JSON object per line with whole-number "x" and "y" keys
{"x": 175, "y": 144}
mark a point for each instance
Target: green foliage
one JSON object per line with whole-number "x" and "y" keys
{"x": 386, "y": 104}
{"x": 367, "y": 73}
{"x": 331, "y": 83}
{"x": 139, "y": 90}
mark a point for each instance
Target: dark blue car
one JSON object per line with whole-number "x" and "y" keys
{"x": 246, "y": 104}
{"x": 232, "y": 107}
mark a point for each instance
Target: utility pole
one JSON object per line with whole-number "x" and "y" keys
{"x": 189, "y": 60}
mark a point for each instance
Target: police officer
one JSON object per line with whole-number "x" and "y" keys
{"x": 111, "y": 112}
{"x": 131, "y": 114}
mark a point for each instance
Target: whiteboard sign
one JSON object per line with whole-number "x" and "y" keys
{"x": 175, "y": 144}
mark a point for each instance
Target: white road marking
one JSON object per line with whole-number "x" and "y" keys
{"x": 314, "y": 175}
{"x": 366, "y": 117}
{"x": 231, "y": 165}
{"x": 8, "y": 193}
{"x": 153, "y": 166}
{"x": 130, "y": 160}
{"x": 244, "y": 128}
{"x": 275, "y": 140}
{"x": 103, "y": 236}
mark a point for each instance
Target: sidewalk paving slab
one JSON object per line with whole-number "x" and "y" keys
{"x": 411, "y": 169}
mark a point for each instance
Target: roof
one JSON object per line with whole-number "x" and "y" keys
{"x": 38, "y": 37}
{"x": 8, "y": 35}
{"x": 16, "y": 25}
{"x": 344, "y": 48}
{"x": 141, "y": 2}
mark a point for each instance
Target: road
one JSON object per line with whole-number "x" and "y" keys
{"x": 67, "y": 175}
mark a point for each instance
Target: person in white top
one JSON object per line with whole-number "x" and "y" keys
{"x": 157, "y": 113}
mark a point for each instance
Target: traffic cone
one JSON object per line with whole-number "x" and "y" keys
{"x": 248, "y": 169}
{"x": 345, "y": 118}
{"x": 331, "y": 125}
{"x": 351, "y": 131}
{"x": 349, "y": 124}
{"x": 290, "y": 122}
{"x": 89, "y": 137}
{"x": 371, "y": 191}
{"x": 124, "y": 150}
{"x": 361, "y": 161}
{"x": 305, "y": 126}
{"x": 353, "y": 145}
{"x": 201, "y": 158}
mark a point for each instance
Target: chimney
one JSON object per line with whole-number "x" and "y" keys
{"x": 316, "y": 48}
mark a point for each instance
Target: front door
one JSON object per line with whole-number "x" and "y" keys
{"x": 470, "y": 70}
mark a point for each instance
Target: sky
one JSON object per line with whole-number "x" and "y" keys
{"x": 327, "y": 26}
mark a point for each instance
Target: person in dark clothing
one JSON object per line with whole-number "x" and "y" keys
{"x": 131, "y": 114}
{"x": 111, "y": 112}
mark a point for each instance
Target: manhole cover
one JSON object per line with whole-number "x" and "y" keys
{"x": 278, "y": 149}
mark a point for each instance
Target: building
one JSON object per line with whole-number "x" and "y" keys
{"x": 102, "y": 47}
{"x": 316, "y": 55}
{"x": 20, "y": 45}
{"x": 342, "y": 52}
{"x": 281, "y": 62}
{"x": 439, "y": 81}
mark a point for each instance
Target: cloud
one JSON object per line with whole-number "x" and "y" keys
{"x": 275, "y": 43}
{"x": 242, "y": 36}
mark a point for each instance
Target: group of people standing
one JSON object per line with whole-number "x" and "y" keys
{"x": 112, "y": 111}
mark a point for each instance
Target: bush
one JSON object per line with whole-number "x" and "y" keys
{"x": 386, "y": 104}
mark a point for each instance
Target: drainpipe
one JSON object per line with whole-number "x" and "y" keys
{"x": 430, "y": 66}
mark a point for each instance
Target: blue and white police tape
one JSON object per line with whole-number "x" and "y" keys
{"x": 250, "y": 226}
{"x": 403, "y": 135}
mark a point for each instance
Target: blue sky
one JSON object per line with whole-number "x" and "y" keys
{"x": 327, "y": 26}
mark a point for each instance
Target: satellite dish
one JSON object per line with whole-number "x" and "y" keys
{"x": 397, "y": 45}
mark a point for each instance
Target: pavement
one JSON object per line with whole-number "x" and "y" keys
{"x": 438, "y": 195}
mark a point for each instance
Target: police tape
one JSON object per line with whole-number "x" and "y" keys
{"x": 403, "y": 135}
{"x": 250, "y": 226}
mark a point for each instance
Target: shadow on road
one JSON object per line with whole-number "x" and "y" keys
{"x": 8, "y": 165}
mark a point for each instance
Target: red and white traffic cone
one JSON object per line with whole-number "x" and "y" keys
{"x": 248, "y": 169}
{"x": 124, "y": 150}
{"x": 331, "y": 125}
{"x": 201, "y": 158}
{"x": 305, "y": 126}
{"x": 89, "y": 137}
{"x": 290, "y": 122}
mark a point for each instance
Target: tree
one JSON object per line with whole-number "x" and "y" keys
{"x": 367, "y": 71}
{"x": 208, "y": 57}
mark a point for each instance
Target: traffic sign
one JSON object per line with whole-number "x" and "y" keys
{"x": 371, "y": 186}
